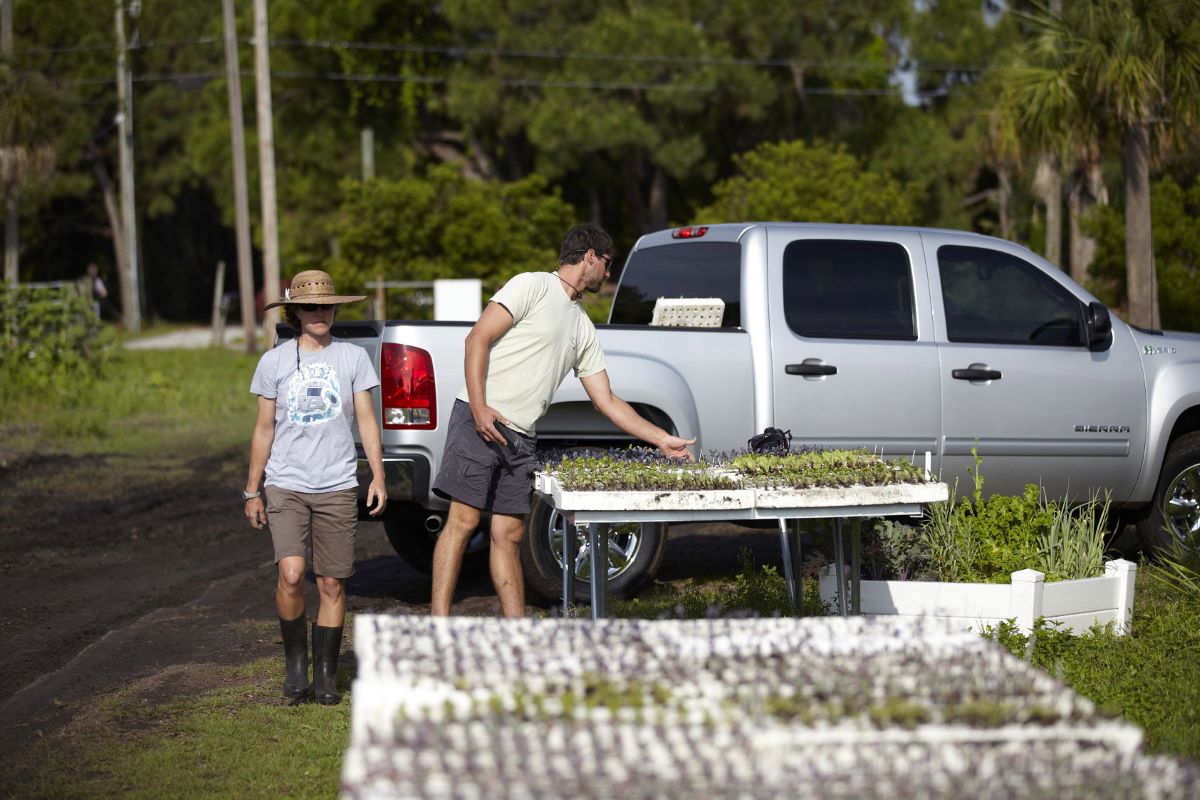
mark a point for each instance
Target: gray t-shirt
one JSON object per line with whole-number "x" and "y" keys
{"x": 313, "y": 449}
{"x": 550, "y": 336}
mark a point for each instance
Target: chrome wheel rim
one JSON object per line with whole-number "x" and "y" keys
{"x": 1181, "y": 505}
{"x": 624, "y": 544}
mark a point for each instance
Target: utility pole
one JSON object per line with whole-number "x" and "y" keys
{"x": 266, "y": 167}
{"x": 12, "y": 250}
{"x": 130, "y": 283}
{"x": 240, "y": 202}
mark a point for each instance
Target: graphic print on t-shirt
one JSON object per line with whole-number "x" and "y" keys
{"x": 314, "y": 395}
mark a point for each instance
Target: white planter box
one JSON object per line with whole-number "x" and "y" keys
{"x": 723, "y": 499}
{"x": 835, "y": 496}
{"x": 1077, "y": 604}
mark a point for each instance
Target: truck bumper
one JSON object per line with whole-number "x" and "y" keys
{"x": 406, "y": 476}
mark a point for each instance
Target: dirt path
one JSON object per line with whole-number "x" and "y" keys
{"x": 169, "y": 577}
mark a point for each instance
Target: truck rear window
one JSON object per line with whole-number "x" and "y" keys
{"x": 687, "y": 269}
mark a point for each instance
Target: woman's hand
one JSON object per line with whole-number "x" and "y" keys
{"x": 256, "y": 513}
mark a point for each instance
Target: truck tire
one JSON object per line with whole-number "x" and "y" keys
{"x": 406, "y": 527}
{"x": 1175, "y": 512}
{"x": 635, "y": 555}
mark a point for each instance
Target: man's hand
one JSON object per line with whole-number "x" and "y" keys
{"x": 256, "y": 513}
{"x": 376, "y": 497}
{"x": 674, "y": 447}
{"x": 486, "y": 418}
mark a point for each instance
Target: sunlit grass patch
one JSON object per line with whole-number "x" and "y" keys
{"x": 241, "y": 740}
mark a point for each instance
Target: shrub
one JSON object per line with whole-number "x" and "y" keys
{"x": 50, "y": 341}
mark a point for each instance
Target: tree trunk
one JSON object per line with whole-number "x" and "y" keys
{"x": 1141, "y": 284}
{"x": 1087, "y": 190}
{"x": 108, "y": 190}
{"x": 631, "y": 177}
{"x": 1003, "y": 197}
{"x": 12, "y": 245}
{"x": 1047, "y": 185}
{"x": 658, "y": 200}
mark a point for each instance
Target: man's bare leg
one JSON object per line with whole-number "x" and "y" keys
{"x": 505, "y": 561}
{"x": 461, "y": 522}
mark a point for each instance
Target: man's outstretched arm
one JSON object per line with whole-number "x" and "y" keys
{"x": 624, "y": 417}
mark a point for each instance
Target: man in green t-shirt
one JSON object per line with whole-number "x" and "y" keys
{"x": 530, "y": 335}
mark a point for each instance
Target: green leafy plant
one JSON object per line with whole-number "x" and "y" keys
{"x": 1073, "y": 547}
{"x": 1177, "y": 567}
{"x": 986, "y": 540}
{"x": 824, "y": 468}
{"x": 50, "y": 340}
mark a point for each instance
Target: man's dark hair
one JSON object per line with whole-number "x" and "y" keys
{"x": 582, "y": 238}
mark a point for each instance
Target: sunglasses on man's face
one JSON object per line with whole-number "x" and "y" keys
{"x": 311, "y": 307}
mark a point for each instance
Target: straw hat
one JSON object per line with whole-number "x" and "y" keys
{"x": 316, "y": 287}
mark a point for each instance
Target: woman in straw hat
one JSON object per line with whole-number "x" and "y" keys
{"x": 303, "y": 444}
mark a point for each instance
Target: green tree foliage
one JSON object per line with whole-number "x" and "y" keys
{"x": 807, "y": 183}
{"x": 447, "y": 226}
{"x": 1128, "y": 68}
{"x": 1176, "y": 249}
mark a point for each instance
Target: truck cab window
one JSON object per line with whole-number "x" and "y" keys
{"x": 843, "y": 289}
{"x": 686, "y": 269}
{"x": 993, "y": 297}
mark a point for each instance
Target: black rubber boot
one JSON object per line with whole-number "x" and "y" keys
{"x": 295, "y": 652}
{"x": 327, "y": 643}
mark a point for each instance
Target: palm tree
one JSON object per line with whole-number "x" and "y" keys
{"x": 1126, "y": 67}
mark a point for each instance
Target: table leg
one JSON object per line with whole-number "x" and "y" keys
{"x": 598, "y": 546}
{"x": 570, "y": 534}
{"x": 789, "y": 539}
{"x": 856, "y": 566}
{"x": 839, "y": 566}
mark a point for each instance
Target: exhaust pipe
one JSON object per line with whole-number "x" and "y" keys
{"x": 433, "y": 523}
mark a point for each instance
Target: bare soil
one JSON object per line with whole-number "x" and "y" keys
{"x": 156, "y": 584}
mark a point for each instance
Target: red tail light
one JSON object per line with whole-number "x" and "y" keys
{"x": 692, "y": 232}
{"x": 407, "y": 387}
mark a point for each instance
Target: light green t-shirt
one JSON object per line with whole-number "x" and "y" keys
{"x": 550, "y": 336}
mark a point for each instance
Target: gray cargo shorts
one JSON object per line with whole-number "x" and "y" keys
{"x": 483, "y": 474}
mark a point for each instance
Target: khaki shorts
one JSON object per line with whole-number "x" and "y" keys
{"x": 483, "y": 474}
{"x": 329, "y": 519}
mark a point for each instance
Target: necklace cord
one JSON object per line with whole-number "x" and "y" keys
{"x": 578, "y": 293}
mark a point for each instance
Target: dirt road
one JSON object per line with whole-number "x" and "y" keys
{"x": 166, "y": 578}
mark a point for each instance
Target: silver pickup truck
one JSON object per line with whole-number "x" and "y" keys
{"x": 900, "y": 340}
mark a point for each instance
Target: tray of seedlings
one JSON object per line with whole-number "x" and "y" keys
{"x": 839, "y": 708}
{"x": 637, "y": 479}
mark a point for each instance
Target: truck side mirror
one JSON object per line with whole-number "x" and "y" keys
{"x": 1099, "y": 326}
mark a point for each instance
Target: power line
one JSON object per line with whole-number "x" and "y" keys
{"x": 516, "y": 83}
{"x": 461, "y": 51}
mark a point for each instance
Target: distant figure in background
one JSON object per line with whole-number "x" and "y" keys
{"x": 95, "y": 285}
{"x": 302, "y": 457}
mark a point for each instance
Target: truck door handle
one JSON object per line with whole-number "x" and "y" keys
{"x": 810, "y": 369}
{"x": 976, "y": 374}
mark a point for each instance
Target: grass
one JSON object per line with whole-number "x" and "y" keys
{"x": 235, "y": 741}
{"x": 174, "y": 401}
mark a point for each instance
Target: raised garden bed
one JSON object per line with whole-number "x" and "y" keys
{"x": 1076, "y": 605}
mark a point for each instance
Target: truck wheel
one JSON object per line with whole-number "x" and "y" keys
{"x": 407, "y": 527}
{"x": 635, "y": 553}
{"x": 1175, "y": 513}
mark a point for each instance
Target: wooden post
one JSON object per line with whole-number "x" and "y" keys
{"x": 240, "y": 202}
{"x": 380, "y": 299}
{"x": 130, "y": 282}
{"x": 266, "y": 169}
{"x": 218, "y": 313}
